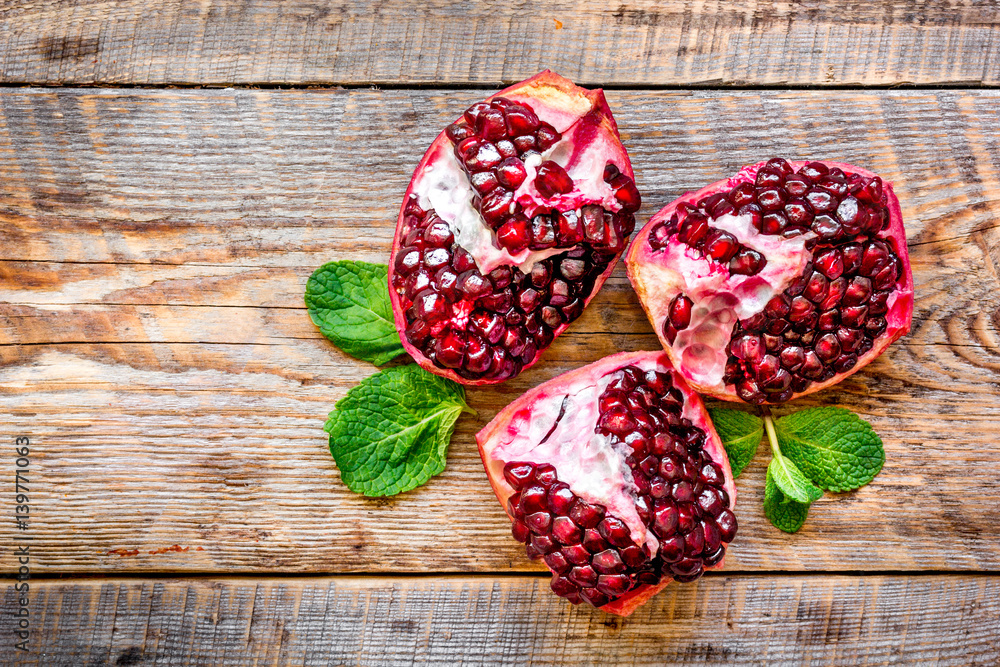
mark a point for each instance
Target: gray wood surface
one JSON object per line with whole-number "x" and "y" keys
{"x": 642, "y": 42}
{"x": 154, "y": 246}
{"x": 721, "y": 620}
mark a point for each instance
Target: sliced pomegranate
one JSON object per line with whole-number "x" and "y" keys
{"x": 790, "y": 276}
{"x": 514, "y": 218}
{"x": 614, "y": 476}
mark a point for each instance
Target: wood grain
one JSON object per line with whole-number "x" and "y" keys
{"x": 641, "y": 42}
{"x": 747, "y": 620}
{"x": 154, "y": 246}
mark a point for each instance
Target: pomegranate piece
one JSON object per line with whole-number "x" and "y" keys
{"x": 813, "y": 285}
{"x": 514, "y": 218}
{"x": 614, "y": 475}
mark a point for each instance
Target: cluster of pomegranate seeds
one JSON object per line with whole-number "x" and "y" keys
{"x": 486, "y": 326}
{"x": 491, "y": 142}
{"x": 491, "y": 326}
{"x": 681, "y": 499}
{"x": 834, "y": 205}
{"x": 819, "y": 326}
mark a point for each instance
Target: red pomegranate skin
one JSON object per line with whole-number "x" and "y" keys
{"x": 562, "y": 211}
{"x": 666, "y": 278}
{"x": 553, "y": 428}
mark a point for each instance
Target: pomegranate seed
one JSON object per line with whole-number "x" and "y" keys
{"x": 680, "y": 312}
{"x": 747, "y": 262}
{"x": 552, "y": 180}
{"x": 511, "y": 173}
{"x": 514, "y": 234}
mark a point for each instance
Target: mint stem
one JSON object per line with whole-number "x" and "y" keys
{"x": 772, "y": 436}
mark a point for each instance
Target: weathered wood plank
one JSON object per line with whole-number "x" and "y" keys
{"x": 153, "y": 251}
{"x": 641, "y": 42}
{"x": 747, "y": 620}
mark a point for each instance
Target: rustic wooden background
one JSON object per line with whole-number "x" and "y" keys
{"x": 157, "y": 230}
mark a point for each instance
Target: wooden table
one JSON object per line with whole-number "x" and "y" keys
{"x": 170, "y": 175}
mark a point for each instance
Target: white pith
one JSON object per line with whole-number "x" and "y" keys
{"x": 443, "y": 185}
{"x": 720, "y": 299}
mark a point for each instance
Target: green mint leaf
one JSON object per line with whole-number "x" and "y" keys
{"x": 790, "y": 480}
{"x": 349, "y": 302}
{"x": 784, "y": 513}
{"x": 835, "y": 448}
{"x": 390, "y": 433}
{"x": 740, "y": 432}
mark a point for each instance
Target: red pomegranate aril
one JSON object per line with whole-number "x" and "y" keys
{"x": 680, "y": 312}
{"x": 747, "y": 262}
{"x": 771, "y": 199}
{"x": 720, "y": 245}
{"x": 518, "y": 474}
{"x": 768, "y": 178}
{"x": 552, "y": 180}
{"x": 693, "y": 229}
{"x": 533, "y": 499}
{"x": 712, "y": 534}
{"x": 539, "y": 523}
{"x": 830, "y": 263}
{"x": 795, "y": 185}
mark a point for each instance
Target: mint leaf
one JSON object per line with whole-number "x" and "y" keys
{"x": 740, "y": 432}
{"x": 790, "y": 480}
{"x": 783, "y": 512}
{"x": 390, "y": 433}
{"x": 835, "y": 448}
{"x": 349, "y": 302}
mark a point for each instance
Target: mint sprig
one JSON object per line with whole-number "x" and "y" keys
{"x": 390, "y": 433}
{"x": 783, "y": 512}
{"x": 349, "y": 302}
{"x": 838, "y": 450}
{"x": 740, "y": 433}
{"x": 813, "y": 450}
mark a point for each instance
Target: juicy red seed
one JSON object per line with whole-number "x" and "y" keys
{"x": 613, "y": 584}
{"x": 710, "y": 501}
{"x": 514, "y": 235}
{"x": 552, "y": 180}
{"x": 682, "y": 491}
{"x": 694, "y": 542}
{"x": 672, "y": 549}
{"x": 615, "y": 532}
{"x": 665, "y": 519}
{"x": 629, "y": 197}
{"x": 608, "y": 562}
{"x": 771, "y": 199}
{"x": 557, "y": 562}
{"x": 726, "y": 522}
{"x": 520, "y": 531}
{"x": 583, "y": 575}
{"x": 543, "y": 544}
{"x": 539, "y": 522}
{"x": 747, "y": 262}
{"x": 594, "y": 597}
{"x": 680, "y": 312}
{"x": 713, "y": 536}
{"x": 545, "y": 474}
{"x": 565, "y": 531}
{"x": 533, "y": 499}
{"x": 576, "y": 554}
{"x": 747, "y": 347}
{"x": 617, "y": 421}
{"x": 768, "y": 177}
{"x": 586, "y": 515}
{"x": 720, "y": 245}
{"x": 518, "y": 474}
{"x": 830, "y": 263}
{"x": 693, "y": 229}
{"x": 511, "y": 173}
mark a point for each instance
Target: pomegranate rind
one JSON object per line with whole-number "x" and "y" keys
{"x": 576, "y": 112}
{"x": 504, "y": 425}
{"x": 656, "y": 283}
